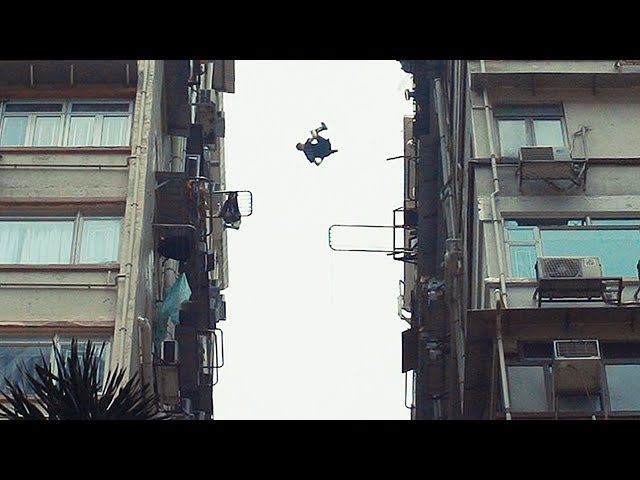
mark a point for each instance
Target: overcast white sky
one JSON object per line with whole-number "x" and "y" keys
{"x": 312, "y": 333}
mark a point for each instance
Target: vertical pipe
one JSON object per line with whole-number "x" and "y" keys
{"x": 501, "y": 294}
{"x": 494, "y": 374}
{"x": 503, "y": 367}
{"x": 444, "y": 157}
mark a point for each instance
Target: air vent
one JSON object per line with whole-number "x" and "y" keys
{"x": 576, "y": 349}
{"x": 569, "y": 267}
{"x": 544, "y": 154}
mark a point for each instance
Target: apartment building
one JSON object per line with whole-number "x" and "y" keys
{"x": 111, "y": 194}
{"x": 522, "y": 254}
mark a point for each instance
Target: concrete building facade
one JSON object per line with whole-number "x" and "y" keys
{"x": 522, "y": 262}
{"x": 111, "y": 187}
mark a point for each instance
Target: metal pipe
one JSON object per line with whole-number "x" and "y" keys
{"x": 501, "y": 294}
{"x": 444, "y": 157}
{"x": 496, "y": 230}
{"x": 144, "y": 350}
{"x": 492, "y": 391}
{"x": 503, "y": 367}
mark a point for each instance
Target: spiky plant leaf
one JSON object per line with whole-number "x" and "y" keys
{"x": 74, "y": 392}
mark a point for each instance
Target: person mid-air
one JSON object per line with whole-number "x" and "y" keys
{"x": 317, "y": 147}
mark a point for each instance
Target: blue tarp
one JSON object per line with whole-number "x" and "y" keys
{"x": 177, "y": 294}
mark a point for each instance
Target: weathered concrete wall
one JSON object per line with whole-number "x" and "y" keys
{"x": 540, "y": 66}
{"x": 61, "y": 302}
{"x": 47, "y": 183}
{"x": 612, "y": 114}
{"x": 136, "y": 292}
{"x": 613, "y": 117}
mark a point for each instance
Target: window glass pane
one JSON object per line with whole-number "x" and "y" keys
{"x": 33, "y": 107}
{"x": 532, "y": 350}
{"x": 513, "y": 135}
{"x": 13, "y": 357}
{"x": 115, "y": 131}
{"x": 615, "y": 221}
{"x": 65, "y": 350}
{"x": 619, "y": 250}
{"x": 521, "y": 234}
{"x": 540, "y": 110}
{"x": 46, "y": 131}
{"x": 624, "y": 386}
{"x": 100, "y": 107}
{"x": 579, "y": 403}
{"x": 14, "y": 130}
{"x": 527, "y": 389}
{"x": 522, "y": 222}
{"x": 100, "y": 240}
{"x": 523, "y": 261}
{"x": 548, "y": 132}
{"x": 620, "y": 349}
{"x": 35, "y": 242}
{"x": 80, "y": 131}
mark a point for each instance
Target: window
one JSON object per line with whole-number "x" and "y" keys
{"x": 27, "y": 353}
{"x": 580, "y": 402}
{"x": 528, "y": 388}
{"x": 59, "y": 240}
{"x": 74, "y": 124}
{"x": 529, "y": 125}
{"x": 532, "y": 387}
{"x": 624, "y": 386}
{"x": 615, "y": 241}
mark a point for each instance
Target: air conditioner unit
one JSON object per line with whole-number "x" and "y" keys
{"x": 568, "y": 267}
{"x": 576, "y": 350}
{"x": 577, "y": 367}
{"x": 200, "y": 415}
{"x": 222, "y": 309}
{"x": 569, "y": 277}
{"x": 168, "y": 384}
{"x": 169, "y": 351}
{"x": 544, "y": 154}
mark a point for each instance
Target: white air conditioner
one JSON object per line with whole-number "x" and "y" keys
{"x": 577, "y": 367}
{"x": 568, "y": 267}
{"x": 544, "y": 154}
{"x": 569, "y": 277}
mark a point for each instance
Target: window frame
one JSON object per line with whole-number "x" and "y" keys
{"x": 65, "y": 115}
{"x": 77, "y": 235}
{"x": 529, "y": 114}
{"x": 521, "y": 360}
{"x": 605, "y": 383}
{"x": 59, "y": 339}
{"x": 537, "y": 242}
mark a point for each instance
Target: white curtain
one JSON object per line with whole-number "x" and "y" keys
{"x": 80, "y": 131}
{"x": 100, "y": 240}
{"x": 35, "y": 242}
{"x": 46, "y": 131}
{"x": 115, "y": 131}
